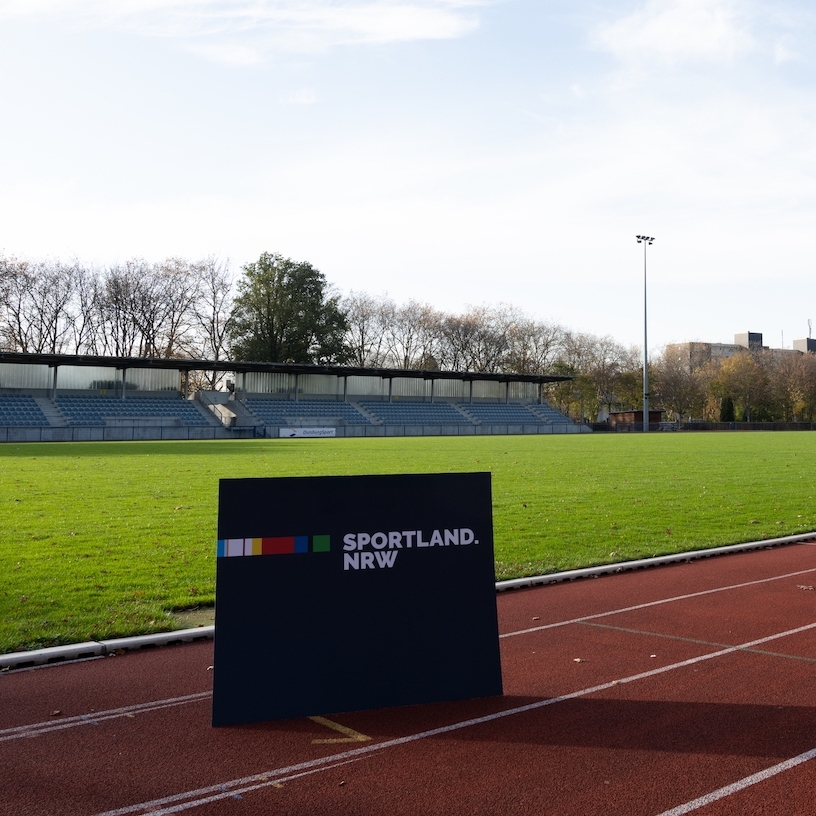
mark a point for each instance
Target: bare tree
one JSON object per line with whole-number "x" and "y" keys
{"x": 35, "y": 306}
{"x": 368, "y": 320}
{"x": 490, "y": 338}
{"x": 533, "y": 346}
{"x": 456, "y": 340}
{"x": 786, "y": 384}
{"x": 487, "y": 339}
{"x": 122, "y": 305}
{"x": 18, "y": 279}
{"x": 606, "y": 374}
{"x": 412, "y": 335}
{"x": 211, "y": 311}
{"x": 677, "y": 385}
{"x": 180, "y": 283}
{"x": 808, "y": 386}
{"x": 87, "y": 328}
{"x": 615, "y": 374}
{"x": 53, "y": 294}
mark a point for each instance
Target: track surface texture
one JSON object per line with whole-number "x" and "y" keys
{"x": 680, "y": 689}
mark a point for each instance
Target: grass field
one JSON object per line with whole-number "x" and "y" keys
{"x": 105, "y": 539}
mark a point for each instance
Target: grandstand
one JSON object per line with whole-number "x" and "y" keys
{"x": 548, "y": 413}
{"x": 513, "y": 414}
{"x": 416, "y": 413}
{"x": 93, "y": 409}
{"x": 20, "y": 410}
{"x": 281, "y": 412}
{"x": 68, "y": 398}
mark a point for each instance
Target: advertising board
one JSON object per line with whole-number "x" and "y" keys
{"x": 306, "y": 433}
{"x": 343, "y": 593}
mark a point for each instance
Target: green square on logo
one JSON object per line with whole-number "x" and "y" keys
{"x": 321, "y": 543}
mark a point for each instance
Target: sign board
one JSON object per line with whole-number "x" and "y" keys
{"x": 305, "y": 433}
{"x": 343, "y": 593}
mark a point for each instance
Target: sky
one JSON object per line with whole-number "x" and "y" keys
{"x": 455, "y": 152}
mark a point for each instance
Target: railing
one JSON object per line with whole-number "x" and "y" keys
{"x": 700, "y": 425}
{"x": 748, "y": 426}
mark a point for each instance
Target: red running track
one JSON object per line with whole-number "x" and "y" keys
{"x": 681, "y": 689}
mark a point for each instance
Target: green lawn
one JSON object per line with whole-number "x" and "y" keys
{"x": 104, "y": 539}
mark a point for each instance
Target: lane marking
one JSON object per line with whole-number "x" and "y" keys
{"x": 351, "y": 734}
{"x": 71, "y": 722}
{"x": 694, "y": 640}
{"x": 95, "y": 717}
{"x": 654, "y": 603}
{"x": 85, "y": 719}
{"x": 195, "y": 797}
{"x": 747, "y": 782}
{"x": 236, "y": 793}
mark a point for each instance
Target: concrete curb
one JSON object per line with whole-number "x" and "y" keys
{"x": 643, "y": 563}
{"x": 100, "y": 648}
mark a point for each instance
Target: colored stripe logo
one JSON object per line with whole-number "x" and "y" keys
{"x": 275, "y": 545}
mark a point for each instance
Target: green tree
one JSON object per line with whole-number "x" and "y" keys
{"x": 743, "y": 379}
{"x": 727, "y": 410}
{"x": 284, "y": 312}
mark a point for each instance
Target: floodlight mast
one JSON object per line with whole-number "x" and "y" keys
{"x": 646, "y": 240}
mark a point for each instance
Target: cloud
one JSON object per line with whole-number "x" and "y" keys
{"x": 674, "y": 31}
{"x": 244, "y": 31}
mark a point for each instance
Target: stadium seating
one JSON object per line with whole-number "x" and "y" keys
{"x": 20, "y": 410}
{"x": 549, "y": 413}
{"x": 415, "y": 413}
{"x": 92, "y": 409}
{"x": 503, "y": 414}
{"x": 514, "y": 414}
{"x": 281, "y": 412}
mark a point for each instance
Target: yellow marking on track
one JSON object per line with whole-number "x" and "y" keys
{"x": 351, "y": 734}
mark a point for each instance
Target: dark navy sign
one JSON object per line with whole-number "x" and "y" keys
{"x": 342, "y": 593}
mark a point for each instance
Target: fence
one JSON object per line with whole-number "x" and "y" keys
{"x": 699, "y": 425}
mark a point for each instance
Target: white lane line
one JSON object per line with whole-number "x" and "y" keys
{"x": 71, "y": 722}
{"x": 196, "y": 797}
{"x": 95, "y": 717}
{"x": 728, "y": 790}
{"x": 696, "y": 640}
{"x": 654, "y": 603}
{"x": 235, "y": 793}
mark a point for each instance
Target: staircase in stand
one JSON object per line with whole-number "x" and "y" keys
{"x": 52, "y": 413}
